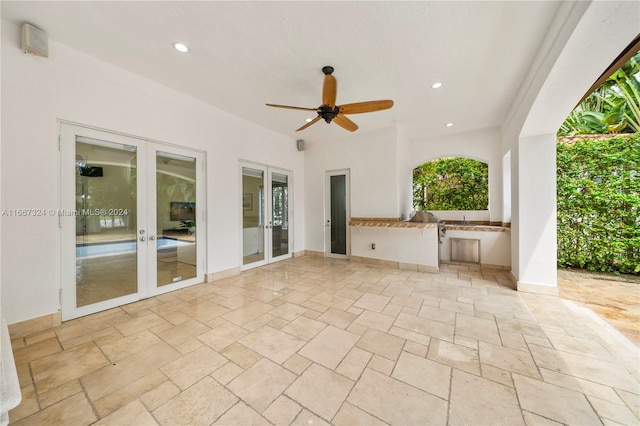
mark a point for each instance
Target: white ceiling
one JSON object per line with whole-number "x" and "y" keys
{"x": 244, "y": 54}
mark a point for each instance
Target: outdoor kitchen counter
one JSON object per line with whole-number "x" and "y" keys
{"x": 478, "y": 228}
{"x": 390, "y": 223}
{"x": 395, "y": 243}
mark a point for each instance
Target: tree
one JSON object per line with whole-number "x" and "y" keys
{"x": 451, "y": 184}
{"x": 612, "y": 108}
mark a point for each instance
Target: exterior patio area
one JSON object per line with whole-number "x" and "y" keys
{"x": 325, "y": 341}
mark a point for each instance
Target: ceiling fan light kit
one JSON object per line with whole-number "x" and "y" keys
{"x": 329, "y": 111}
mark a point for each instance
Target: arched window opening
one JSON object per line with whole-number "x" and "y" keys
{"x": 451, "y": 184}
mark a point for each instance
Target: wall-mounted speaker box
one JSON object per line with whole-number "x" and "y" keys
{"x": 34, "y": 41}
{"x": 300, "y": 144}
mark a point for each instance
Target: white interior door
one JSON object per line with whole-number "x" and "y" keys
{"x": 266, "y": 214}
{"x": 114, "y": 198}
{"x": 337, "y": 214}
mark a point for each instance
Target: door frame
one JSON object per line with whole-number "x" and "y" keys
{"x": 145, "y": 149}
{"x": 267, "y": 213}
{"x": 327, "y": 212}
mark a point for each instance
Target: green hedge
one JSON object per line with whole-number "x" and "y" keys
{"x": 451, "y": 184}
{"x": 598, "y": 184}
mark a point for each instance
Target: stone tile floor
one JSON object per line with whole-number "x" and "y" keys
{"x": 322, "y": 341}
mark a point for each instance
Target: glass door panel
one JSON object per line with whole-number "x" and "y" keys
{"x": 253, "y": 216}
{"x": 106, "y": 193}
{"x": 279, "y": 214}
{"x": 337, "y": 214}
{"x": 176, "y": 236}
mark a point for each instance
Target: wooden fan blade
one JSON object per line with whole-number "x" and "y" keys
{"x": 345, "y": 123}
{"x": 329, "y": 90}
{"x": 315, "y": 120}
{"x": 369, "y": 106}
{"x": 292, "y": 107}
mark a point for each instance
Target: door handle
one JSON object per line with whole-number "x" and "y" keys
{"x": 152, "y": 237}
{"x": 143, "y": 238}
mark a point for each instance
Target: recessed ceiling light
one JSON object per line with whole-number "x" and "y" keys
{"x": 436, "y": 85}
{"x": 309, "y": 120}
{"x": 181, "y": 47}
{"x": 449, "y": 125}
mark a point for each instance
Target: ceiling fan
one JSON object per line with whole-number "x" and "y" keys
{"x": 329, "y": 111}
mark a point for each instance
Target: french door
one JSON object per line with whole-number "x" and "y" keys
{"x": 131, "y": 217}
{"x": 337, "y": 214}
{"x": 266, "y": 214}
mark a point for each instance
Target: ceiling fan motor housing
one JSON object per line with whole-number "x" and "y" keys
{"x": 327, "y": 113}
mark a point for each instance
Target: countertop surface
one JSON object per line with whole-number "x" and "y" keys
{"x": 396, "y": 223}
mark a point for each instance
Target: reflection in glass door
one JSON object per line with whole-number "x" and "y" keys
{"x": 175, "y": 218}
{"x": 105, "y": 216}
{"x": 266, "y": 228}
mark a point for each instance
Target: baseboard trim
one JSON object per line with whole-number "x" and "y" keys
{"x": 312, "y": 253}
{"x": 220, "y": 275}
{"x": 34, "y": 325}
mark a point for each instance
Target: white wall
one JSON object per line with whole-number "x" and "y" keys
{"x": 72, "y": 86}
{"x": 371, "y": 158}
{"x": 482, "y": 145}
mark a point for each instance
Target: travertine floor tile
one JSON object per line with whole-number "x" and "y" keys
{"x": 133, "y": 413}
{"x": 350, "y": 415}
{"x": 192, "y": 367}
{"x": 74, "y": 410}
{"x": 552, "y": 402}
{"x": 354, "y": 363}
{"x": 372, "y": 302}
{"x": 241, "y": 414}
{"x": 123, "y": 396}
{"x": 375, "y": 320}
{"x": 329, "y": 346}
{"x": 282, "y": 411}
{"x": 36, "y": 350}
{"x": 201, "y": 404}
{"x": 303, "y": 328}
{"x": 508, "y": 359}
{"x": 320, "y": 390}
{"x": 395, "y": 402}
{"x": 453, "y": 355}
{"x": 129, "y": 345}
{"x": 114, "y": 376}
{"x": 475, "y": 400}
{"x": 424, "y": 374}
{"x": 425, "y": 326}
{"x": 54, "y": 370}
{"x": 261, "y": 384}
{"x": 272, "y": 343}
{"x": 222, "y": 336}
{"x": 380, "y": 343}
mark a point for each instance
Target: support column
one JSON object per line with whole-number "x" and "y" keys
{"x": 536, "y": 223}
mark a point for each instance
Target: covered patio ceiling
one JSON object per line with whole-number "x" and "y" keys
{"x": 245, "y": 54}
